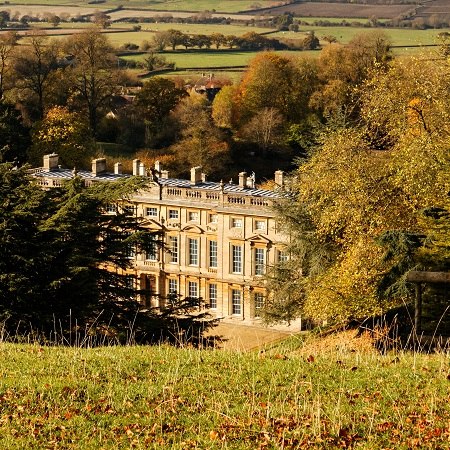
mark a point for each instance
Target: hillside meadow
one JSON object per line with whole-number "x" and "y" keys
{"x": 300, "y": 394}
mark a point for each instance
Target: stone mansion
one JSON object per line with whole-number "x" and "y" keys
{"x": 218, "y": 237}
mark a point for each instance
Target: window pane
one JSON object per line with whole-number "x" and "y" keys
{"x": 173, "y": 214}
{"x": 259, "y": 261}
{"x": 282, "y": 256}
{"x": 213, "y": 254}
{"x": 173, "y": 286}
{"x": 152, "y": 252}
{"x": 260, "y": 225}
{"x": 213, "y": 218}
{"x": 236, "y": 301}
{"x": 193, "y": 216}
{"x": 213, "y": 296}
{"x": 193, "y": 289}
{"x": 259, "y": 303}
{"x": 193, "y": 252}
{"x": 237, "y": 259}
{"x": 236, "y": 223}
{"x": 173, "y": 247}
{"x": 151, "y": 211}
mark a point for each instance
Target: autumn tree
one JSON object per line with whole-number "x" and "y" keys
{"x": 358, "y": 203}
{"x": 224, "y": 111}
{"x": 264, "y": 129}
{"x": 92, "y": 73}
{"x": 157, "y": 98}
{"x": 343, "y": 67}
{"x": 201, "y": 143}
{"x": 35, "y": 66}
{"x": 66, "y": 133}
{"x": 7, "y": 43}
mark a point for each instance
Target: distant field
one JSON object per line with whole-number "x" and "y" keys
{"x": 38, "y": 10}
{"x": 184, "y": 60}
{"x": 128, "y": 13}
{"x": 398, "y": 36}
{"x": 319, "y": 9}
{"x": 227, "y": 6}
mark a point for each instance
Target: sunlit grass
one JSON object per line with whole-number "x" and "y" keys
{"x": 295, "y": 395}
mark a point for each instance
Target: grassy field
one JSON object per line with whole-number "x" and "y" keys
{"x": 398, "y": 36}
{"x": 295, "y": 396}
{"x": 231, "y": 6}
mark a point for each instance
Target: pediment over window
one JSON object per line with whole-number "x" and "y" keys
{"x": 259, "y": 239}
{"x": 193, "y": 229}
{"x": 151, "y": 224}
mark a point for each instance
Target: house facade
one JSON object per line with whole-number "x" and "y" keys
{"x": 217, "y": 239}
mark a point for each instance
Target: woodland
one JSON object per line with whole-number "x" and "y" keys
{"x": 364, "y": 135}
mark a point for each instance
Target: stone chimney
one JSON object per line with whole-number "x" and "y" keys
{"x": 158, "y": 167}
{"x": 164, "y": 174}
{"x": 118, "y": 168}
{"x": 98, "y": 166}
{"x": 142, "y": 169}
{"x": 279, "y": 178}
{"x": 203, "y": 177}
{"x": 196, "y": 175}
{"x": 51, "y": 161}
{"x": 243, "y": 179}
{"x": 136, "y": 164}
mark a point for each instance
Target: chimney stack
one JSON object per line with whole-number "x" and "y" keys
{"x": 98, "y": 166}
{"x": 142, "y": 169}
{"x": 158, "y": 167}
{"x": 243, "y": 179}
{"x": 164, "y": 174}
{"x": 136, "y": 164}
{"x": 196, "y": 175}
{"x": 51, "y": 162}
{"x": 118, "y": 168}
{"x": 279, "y": 178}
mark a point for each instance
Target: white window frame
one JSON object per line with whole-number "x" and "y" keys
{"x": 193, "y": 289}
{"x": 173, "y": 249}
{"x": 212, "y": 295}
{"x": 152, "y": 254}
{"x": 236, "y": 258}
{"x": 151, "y": 211}
{"x": 194, "y": 216}
{"x": 213, "y": 255}
{"x": 172, "y": 286}
{"x": 259, "y": 266}
{"x": 236, "y": 302}
{"x": 258, "y": 299}
{"x": 282, "y": 256}
{"x": 193, "y": 251}
{"x": 111, "y": 208}
{"x": 260, "y": 225}
{"x": 174, "y": 214}
{"x": 237, "y": 222}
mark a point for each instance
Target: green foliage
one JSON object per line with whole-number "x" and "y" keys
{"x": 14, "y": 136}
{"x": 66, "y": 266}
{"x": 65, "y": 133}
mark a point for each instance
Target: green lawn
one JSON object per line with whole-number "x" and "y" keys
{"x": 162, "y": 397}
